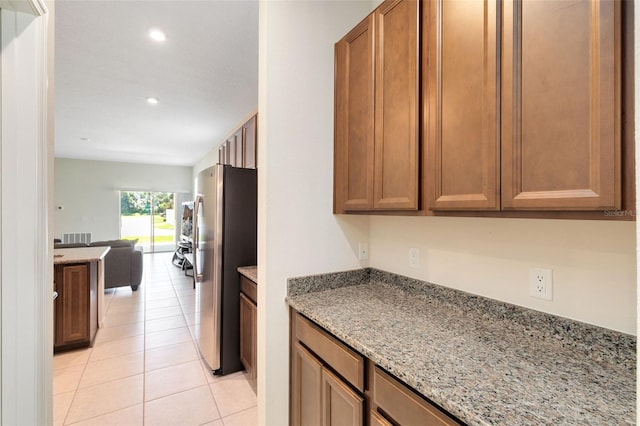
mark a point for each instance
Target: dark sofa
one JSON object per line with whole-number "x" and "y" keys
{"x": 122, "y": 265}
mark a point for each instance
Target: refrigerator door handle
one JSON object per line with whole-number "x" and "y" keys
{"x": 197, "y": 269}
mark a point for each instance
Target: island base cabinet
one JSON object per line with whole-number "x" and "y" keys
{"x": 75, "y": 309}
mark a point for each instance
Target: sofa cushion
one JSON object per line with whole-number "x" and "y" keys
{"x": 69, "y": 245}
{"x": 114, "y": 243}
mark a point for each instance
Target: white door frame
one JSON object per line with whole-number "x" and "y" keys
{"x": 26, "y": 266}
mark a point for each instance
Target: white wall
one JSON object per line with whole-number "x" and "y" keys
{"x": 26, "y": 261}
{"x": 297, "y": 233}
{"x": 593, "y": 262}
{"x": 88, "y": 192}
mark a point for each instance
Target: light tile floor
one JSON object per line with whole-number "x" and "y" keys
{"x": 144, "y": 367}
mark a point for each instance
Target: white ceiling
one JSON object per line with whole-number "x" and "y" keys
{"x": 205, "y": 75}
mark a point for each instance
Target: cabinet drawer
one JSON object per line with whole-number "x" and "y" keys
{"x": 249, "y": 288}
{"x": 346, "y": 362}
{"x": 402, "y": 405}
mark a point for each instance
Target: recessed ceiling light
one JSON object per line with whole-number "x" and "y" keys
{"x": 157, "y": 35}
{"x": 153, "y": 101}
{"x": 85, "y": 139}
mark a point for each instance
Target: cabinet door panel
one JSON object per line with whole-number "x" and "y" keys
{"x": 354, "y": 132}
{"x": 561, "y": 105}
{"x": 250, "y": 143}
{"x": 341, "y": 406}
{"x": 306, "y": 381}
{"x": 239, "y": 161}
{"x": 75, "y": 304}
{"x": 248, "y": 335}
{"x": 396, "y": 102}
{"x": 462, "y": 83}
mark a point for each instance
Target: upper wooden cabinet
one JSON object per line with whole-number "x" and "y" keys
{"x": 524, "y": 109}
{"x": 555, "y": 142}
{"x": 376, "y": 111}
{"x": 354, "y": 110}
{"x": 240, "y": 149}
{"x": 561, "y": 105}
{"x": 250, "y": 145}
{"x": 461, "y": 82}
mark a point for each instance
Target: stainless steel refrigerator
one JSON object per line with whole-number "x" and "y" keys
{"x": 225, "y": 237}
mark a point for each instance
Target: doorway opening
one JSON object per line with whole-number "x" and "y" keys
{"x": 150, "y": 218}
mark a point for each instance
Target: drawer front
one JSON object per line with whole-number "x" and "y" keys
{"x": 402, "y": 405}
{"x": 249, "y": 288}
{"x": 346, "y": 362}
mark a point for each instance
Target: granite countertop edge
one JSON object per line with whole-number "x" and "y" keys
{"x": 79, "y": 254}
{"x": 311, "y": 295}
{"x": 251, "y": 272}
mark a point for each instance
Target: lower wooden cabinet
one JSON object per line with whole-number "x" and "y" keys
{"x": 404, "y": 406}
{"x": 340, "y": 404}
{"x": 249, "y": 328}
{"x": 320, "y": 397}
{"x": 306, "y": 388}
{"x": 248, "y": 341}
{"x": 76, "y": 308}
{"x": 376, "y": 419}
{"x": 332, "y": 385}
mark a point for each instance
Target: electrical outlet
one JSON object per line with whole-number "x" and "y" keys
{"x": 541, "y": 283}
{"x": 363, "y": 251}
{"x": 414, "y": 257}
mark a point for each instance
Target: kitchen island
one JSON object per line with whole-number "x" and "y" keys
{"x": 482, "y": 361}
{"x": 79, "y": 284}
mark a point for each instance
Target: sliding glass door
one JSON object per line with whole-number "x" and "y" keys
{"x": 148, "y": 217}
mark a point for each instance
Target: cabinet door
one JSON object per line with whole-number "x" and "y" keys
{"x": 239, "y": 161}
{"x": 462, "y": 80}
{"x": 250, "y": 145}
{"x": 341, "y": 406}
{"x": 306, "y": 383}
{"x": 74, "y": 306}
{"x": 561, "y": 105}
{"x": 231, "y": 151}
{"x": 248, "y": 335}
{"x": 354, "y": 118}
{"x": 396, "y": 172}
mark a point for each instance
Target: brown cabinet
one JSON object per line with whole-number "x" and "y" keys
{"x": 250, "y": 145}
{"x": 331, "y": 384}
{"x": 461, "y": 76}
{"x": 561, "y": 105}
{"x": 239, "y": 150}
{"x": 248, "y": 328}
{"x": 327, "y": 378}
{"x": 376, "y": 111}
{"x": 402, "y": 405}
{"x": 525, "y": 108}
{"x": 341, "y": 406}
{"x": 76, "y": 307}
{"x": 535, "y": 128}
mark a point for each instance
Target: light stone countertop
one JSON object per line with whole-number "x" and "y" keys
{"x": 485, "y": 362}
{"x": 79, "y": 254}
{"x": 250, "y": 272}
